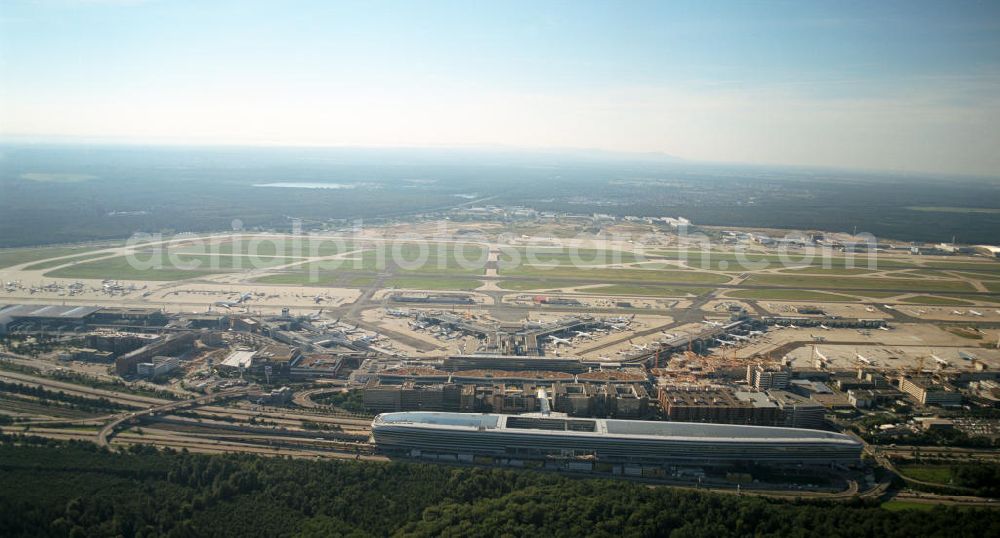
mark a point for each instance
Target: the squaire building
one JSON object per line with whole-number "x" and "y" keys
{"x": 624, "y": 441}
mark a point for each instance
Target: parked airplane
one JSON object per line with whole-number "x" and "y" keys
{"x": 556, "y": 341}
{"x": 958, "y": 312}
{"x": 939, "y": 360}
{"x": 712, "y": 323}
{"x": 824, "y": 327}
{"x": 582, "y": 334}
{"x": 864, "y": 359}
{"x": 883, "y": 327}
{"x": 740, "y": 337}
{"x": 974, "y": 313}
{"x": 823, "y": 360}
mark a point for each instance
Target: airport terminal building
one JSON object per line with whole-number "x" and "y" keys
{"x": 468, "y": 435}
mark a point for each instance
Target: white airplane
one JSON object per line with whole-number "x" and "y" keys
{"x": 888, "y": 307}
{"x": 974, "y": 313}
{"x": 725, "y": 342}
{"x": 712, "y": 323}
{"x": 823, "y": 358}
{"x": 939, "y": 360}
{"x": 864, "y": 359}
{"x": 397, "y": 313}
{"x": 642, "y": 347}
{"x": 791, "y": 326}
{"x": 556, "y": 341}
{"x": 870, "y": 309}
{"x": 824, "y": 327}
{"x": 958, "y": 312}
{"x": 582, "y": 334}
{"x": 756, "y": 333}
{"x": 883, "y": 327}
{"x": 740, "y": 337}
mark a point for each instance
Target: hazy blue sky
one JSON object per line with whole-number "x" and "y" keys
{"x": 908, "y": 86}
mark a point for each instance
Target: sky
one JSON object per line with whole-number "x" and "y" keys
{"x": 905, "y": 86}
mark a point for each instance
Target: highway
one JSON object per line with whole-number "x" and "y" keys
{"x": 104, "y": 436}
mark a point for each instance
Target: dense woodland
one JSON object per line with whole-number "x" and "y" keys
{"x": 61, "y": 194}
{"x": 76, "y": 489}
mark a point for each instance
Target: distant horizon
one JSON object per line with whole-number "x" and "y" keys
{"x": 596, "y": 153}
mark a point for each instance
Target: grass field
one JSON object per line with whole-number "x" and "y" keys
{"x": 862, "y": 283}
{"x": 560, "y": 256}
{"x": 653, "y": 291}
{"x": 992, "y": 285}
{"x": 935, "y": 300}
{"x": 432, "y": 283}
{"x": 431, "y": 258}
{"x": 939, "y": 474}
{"x": 752, "y": 261}
{"x": 189, "y": 266}
{"x": 816, "y": 270}
{"x": 984, "y": 266}
{"x": 875, "y": 294}
{"x": 16, "y": 256}
{"x": 978, "y": 274}
{"x": 616, "y": 275}
{"x": 530, "y": 285}
{"x": 63, "y": 261}
{"x": 361, "y": 281}
{"x": 277, "y": 246}
{"x": 468, "y": 261}
{"x": 788, "y": 295}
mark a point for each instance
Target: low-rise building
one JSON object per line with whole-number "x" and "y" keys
{"x": 796, "y": 411}
{"x": 714, "y": 404}
{"x": 926, "y": 391}
{"x": 157, "y": 367}
{"x": 762, "y": 376}
{"x": 409, "y": 396}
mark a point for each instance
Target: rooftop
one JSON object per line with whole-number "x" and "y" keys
{"x": 637, "y": 429}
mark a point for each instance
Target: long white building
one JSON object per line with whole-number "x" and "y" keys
{"x": 626, "y": 441}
